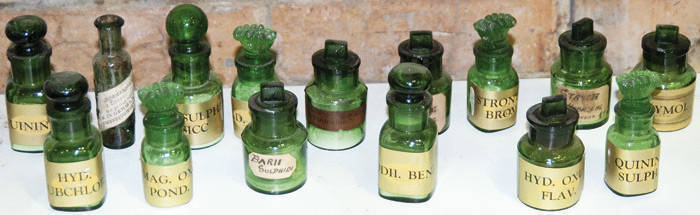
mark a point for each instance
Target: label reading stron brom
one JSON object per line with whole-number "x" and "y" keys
{"x": 204, "y": 121}
{"x": 438, "y": 111}
{"x": 591, "y": 105}
{"x": 335, "y": 120}
{"x": 631, "y": 172}
{"x": 549, "y": 188}
{"x": 28, "y": 124}
{"x": 492, "y": 110}
{"x": 167, "y": 186}
{"x": 241, "y": 115}
{"x": 114, "y": 106}
{"x": 407, "y": 173}
{"x": 272, "y": 166}
{"x": 76, "y": 184}
{"x": 674, "y": 108}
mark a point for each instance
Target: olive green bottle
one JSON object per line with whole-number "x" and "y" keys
{"x": 75, "y": 177}
{"x": 550, "y": 157}
{"x": 274, "y": 142}
{"x": 492, "y": 83}
{"x": 336, "y": 100}
{"x": 421, "y": 48}
{"x": 202, "y": 104}
{"x": 165, "y": 153}
{"x": 666, "y": 52}
{"x": 632, "y": 148}
{"x": 408, "y": 139}
{"x": 582, "y": 75}
{"x": 29, "y": 57}
{"x": 255, "y": 65}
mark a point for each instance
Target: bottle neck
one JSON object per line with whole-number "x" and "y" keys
{"x": 336, "y": 81}
{"x": 110, "y": 40}
{"x": 190, "y": 63}
{"x": 163, "y": 129}
{"x": 409, "y": 117}
{"x": 664, "y": 64}
{"x": 433, "y": 63}
{"x": 256, "y": 68}
{"x": 31, "y": 67}
{"x": 278, "y": 125}
{"x": 581, "y": 61}
{"x": 634, "y": 117}
{"x": 69, "y": 124}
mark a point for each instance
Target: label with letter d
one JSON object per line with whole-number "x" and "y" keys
{"x": 549, "y": 188}
{"x": 167, "y": 186}
{"x": 407, "y": 173}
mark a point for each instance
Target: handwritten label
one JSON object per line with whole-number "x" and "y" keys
{"x": 114, "y": 106}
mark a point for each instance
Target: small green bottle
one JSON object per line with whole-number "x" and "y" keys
{"x": 336, "y": 100}
{"x": 408, "y": 139}
{"x": 114, "y": 85}
{"x": 492, "y": 83}
{"x": 666, "y": 52}
{"x": 422, "y": 49}
{"x": 582, "y": 75}
{"x": 75, "y": 177}
{"x": 202, "y": 104}
{"x": 274, "y": 142}
{"x": 29, "y": 57}
{"x": 255, "y": 65}
{"x": 550, "y": 157}
{"x": 632, "y": 149}
{"x": 165, "y": 153}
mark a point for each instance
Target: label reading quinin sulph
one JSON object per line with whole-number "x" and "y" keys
{"x": 549, "y": 188}
{"x": 335, "y": 120}
{"x": 272, "y": 166}
{"x": 28, "y": 124}
{"x": 438, "y": 111}
{"x": 76, "y": 184}
{"x": 631, "y": 172}
{"x": 492, "y": 110}
{"x": 114, "y": 106}
{"x": 167, "y": 186}
{"x": 592, "y": 105}
{"x": 241, "y": 115}
{"x": 674, "y": 108}
{"x": 204, "y": 121}
{"x": 407, "y": 173}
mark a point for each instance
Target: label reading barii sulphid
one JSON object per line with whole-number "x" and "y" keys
{"x": 75, "y": 184}
{"x": 549, "y": 188}
{"x": 167, "y": 186}
{"x": 272, "y": 166}
{"x": 115, "y": 105}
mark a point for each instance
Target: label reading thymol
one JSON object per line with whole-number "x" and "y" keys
{"x": 674, "y": 108}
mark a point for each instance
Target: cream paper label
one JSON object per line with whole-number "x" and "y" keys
{"x": 115, "y": 105}
{"x": 241, "y": 115}
{"x": 167, "y": 186}
{"x": 674, "y": 108}
{"x": 591, "y": 105}
{"x": 272, "y": 166}
{"x": 631, "y": 172}
{"x": 549, "y": 188}
{"x": 75, "y": 184}
{"x": 438, "y": 111}
{"x": 407, "y": 173}
{"x": 28, "y": 124}
{"x": 492, "y": 110}
{"x": 204, "y": 122}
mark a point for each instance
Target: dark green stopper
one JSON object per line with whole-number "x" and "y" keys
{"x": 493, "y": 30}
{"x": 336, "y": 49}
{"x": 554, "y": 106}
{"x": 409, "y": 82}
{"x": 66, "y": 89}
{"x": 582, "y": 29}
{"x": 26, "y": 32}
{"x": 666, "y": 34}
{"x": 186, "y": 23}
{"x": 421, "y": 40}
{"x": 552, "y": 122}
{"x": 272, "y": 93}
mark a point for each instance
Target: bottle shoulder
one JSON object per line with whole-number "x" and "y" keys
{"x": 244, "y": 89}
{"x": 201, "y": 93}
{"x": 671, "y": 81}
{"x": 23, "y": 95}
{"x": 551, "y": 158}
{"x": 336, "y": 101}
{"x": 494, "y": 82}
{"x": 625, "y": 141}
{"x": 417, "y": 141}
{"x": 588, "y": 80}
{"x": 267, "y": 145}
{"x": 75, "y": 151}
{"x": 165, "y": 156}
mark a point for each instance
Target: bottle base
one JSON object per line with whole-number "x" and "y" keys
{"x": 276, "y": 192}
{"x": 75, "y": 209}
{"x": 592, "y": 125}
{"x": 559, "y": 209}
{"x": 337, "y": 148}
{"x": 444, "y": 129}
{"x": 27, "y": 149}
{"x": 489, "y": 131}
{"x": 626, "y": 195}
{"x": 402, "y": 198}
{"x": 207, "y": 145}
{"x": 120, "y": 146}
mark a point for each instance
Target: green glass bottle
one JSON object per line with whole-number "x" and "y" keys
{"x": 202, "y": 104}
{"x": 492, "y": 83}
{"x": 550, "y": 157}
{"x": 114, "y": 85}
{"x": 274, "y": 142}
{"x": 408, "y": 139}
{"x": 255, "y": 65}
{"x": 75, "y": 177}
{"x": 666, "y": 52}
{"x": 336, "y": 100}
{"x": 422, "y": 49}
{"x": 29, "y": 57}
{"x": 582, "y": 75}
{"x": 632, "y": 148}
{"x": 165, "y": 153}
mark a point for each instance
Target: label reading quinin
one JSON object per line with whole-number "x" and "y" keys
{"x": 549, "y": 188}
{"x": 407, "y": 173}
{"x": 492, "y": 110}
{"x": 28, "y": 124}
{"x": 241, "y": 115}
{"x": 272, "y": 166}
{"x": 204, "y": 121}
{"x": 76, "y": 184}
{"x": 674, "y": 108}
{"x": 631, "y": 172}
{"x": 335, "y": 120}
{"x": 114, "y": 106}
{"x": 592, "y": 105}
{"x": 438, "y": 111}
{"x": 167, "y": 186}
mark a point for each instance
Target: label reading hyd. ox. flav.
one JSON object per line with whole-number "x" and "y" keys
{"x": 631, "y": 172}
{"x": 492, "y": 110}
{"x": 407, "y": 173}
{"x": 272, "y": 166}
{"x": 28, "y": 124}
{"x": 438, "y": 111}
{"x": 204, "y": 121}
{"x": 549, "y": 188}
{"x": 591, "y": 105}
{"x": 674, "y": 108}
{"x": 241, "y": 115}
{"x": 75, "y": 184}
{"x": 167, "y": 186}
{"x": 114, "y": 106}
{"x": 335, "y": 120}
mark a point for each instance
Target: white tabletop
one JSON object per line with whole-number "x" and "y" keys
{"x": 477, "y": 172}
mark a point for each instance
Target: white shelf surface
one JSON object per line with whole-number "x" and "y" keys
{"x": 476, "y": 171}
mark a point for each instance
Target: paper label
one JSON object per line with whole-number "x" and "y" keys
{"x": 492, "y": 110}
{"x": 272, "y": 166}
{"x": 28, "y": 124}
{"x": 114, "y": 106}
{"x": 335, "y": 120}
{"x": 407, "y": 173}
{"x": 167, "y": 186}
{"x": 75, "y": 184}
{"x": 241, "y": 115}
{"x": 631, "y": 172}
{"x": 549, "y": 188}
{"x": 591, "y": 105}
{"x": 204, "y": 122}
{"x": 438, "y": 111}
{"x": 674, "y": 108}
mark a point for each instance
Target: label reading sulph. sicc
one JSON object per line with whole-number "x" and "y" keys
{"x": 204, "y": 121}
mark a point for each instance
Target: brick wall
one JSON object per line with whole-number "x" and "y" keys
{"x": 373, "y": 29}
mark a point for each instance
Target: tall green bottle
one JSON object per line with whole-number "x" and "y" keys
{"x": 336, "y": 100}
{"x": 550, "y": 157}
{"x": 255, "y": 65}
{"x": 666, "y": 52}
{"x": 114, "y": 85}
{"x": 202, "y": 104}
{"x": 165, "y": 153}
{"x": 632, "y": 148}
{"x": 274, "y": 142}
{"x": 75, "y": 177}
{"x": 582, "y": 75}
{"x": 29, "y": 57}
{"x": 422, "y": 49}
{"x": 408, "y": 139}
{"x": 492, "y": 83}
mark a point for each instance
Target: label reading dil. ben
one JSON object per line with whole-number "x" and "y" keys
{"x": 407, "y": 173}
{"x": 592, "y": 105}
{"x": 76, "y": 184}
{"x": 204, "y": 121}
{"x": 438, "y": 111}
{"x": 674, "y": 108}
{"x": 167, "y": 186}
{"x": 492, "y": 110}
{"x": 28, "y": 124}
{"x": 335, "y": 120}
{"x": 272, "y": 166}
{"x": 241, "y": 115}
{"x": 114, "y": 106}
{"x": 549, "y": 188}
{"x": 631, "y": 172}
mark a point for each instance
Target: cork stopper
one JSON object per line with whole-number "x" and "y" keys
{"x": 66, "y": 90}
{"x": 26, "y": 32}
{"x": 186, "y": 23}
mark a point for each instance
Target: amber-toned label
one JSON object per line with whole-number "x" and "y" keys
{"x": 114, "y": 106}
{"x": 549, "y": 188}
{"x": 335, "y": 120}
{"x": 272, "y": 166}
{"x": 167, "y": 186}
{"x": 674, "y": 108}
{"x": 631, "y": 172}
{"x": 591, "y": 104}
{"x": 438, "y": 111}
{"x": 76, "y": 184}
{"x": 28, "y": 124}
{"x": 241, "y": 115}
{"x": 204, "y": 122}
{"x": 407, "y": 173}
{"x": 492, "y": 110}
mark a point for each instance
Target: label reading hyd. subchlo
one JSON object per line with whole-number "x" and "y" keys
{"x": 438, "y": 111}
{"x": 272, "y": 166}
{"x": 407, "y": 173}
{"x": 114, "y": 106}
{"x": 631, "y": 172}
{"x": 167, "y": 186}
{"x": 204, "y": 121}
{"x": 592, "y": 105}
{"x": 28, "y": 124}
{"x": 492, "y": 110}
{"x": 335, "y": 120}
{"x": 549, "y": 188}
{"x": 75, "y": 184}
{"x": 241, "y": 115}
{"x": 674, "y": 108}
